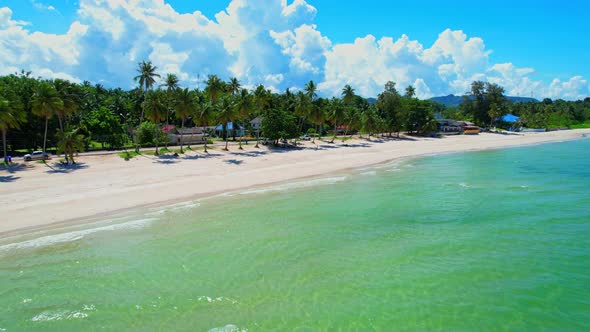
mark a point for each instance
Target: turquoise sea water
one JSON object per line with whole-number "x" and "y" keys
{"x": 489, "y": 241}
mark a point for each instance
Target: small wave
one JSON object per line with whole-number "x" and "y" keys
{"x": 228, "y": 328}
{"x": 295, "y": 185}
{"x": 369, "y": 173}
{"x": 27, "y": 300}
{"x": 173, "y": 208}
{"x": 73, "y": 236}
{"x": 48, "y": 316}
{"x": 216, "y": 299}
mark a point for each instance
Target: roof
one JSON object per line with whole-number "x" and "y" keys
{"x": 510, "y": 118}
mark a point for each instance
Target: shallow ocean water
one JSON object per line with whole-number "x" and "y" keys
{"x": 494, "y": 240}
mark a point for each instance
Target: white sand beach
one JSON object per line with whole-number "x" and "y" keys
{"x": 34, "y": 195}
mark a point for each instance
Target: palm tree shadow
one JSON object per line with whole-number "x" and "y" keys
{"x": 234, "y": 161}
{"x": 9, "y": 178}
{"x": 166, "y": 159}
{"x": 357, "y": 145}
{"x": 202, "y": 156}
{"x": 61, "y": 168}
{"x": 250, "y": 154}
{"x": 13, "y": 168}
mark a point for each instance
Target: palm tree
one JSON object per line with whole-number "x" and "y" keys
{"x": 171, "y": 84}
{"x": 243, "y": 108}
{"x": 302, "y": 107}
{"x": 370, "y": 121}
{"x": 215, "y": 87}
{"x": 70, "y": 142}
{"x": 204, "y": 115}
{"x": 45, "y": 103}
{"x": 311, "y": 90}
{"x": 184, "y": 106}
{"x": 262, "y": 98}
{"x": 336, "y": 115}
{"x": 69, "y": 100}
{"x": 146, "y": 78}
{"x": 348, "y": 94}
{"x": 351, "y": 114}
{"x": 410, "y": 91}
{"x": 317, "y": 116}
{"x": 11, "y": 116}
{"x": 227, "y": 112}
{"x": 233, "y": 86}
{"x": 155, "y": 109}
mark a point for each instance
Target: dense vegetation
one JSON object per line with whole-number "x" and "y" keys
{"x": 58, "y": 115}
{"x": 486, "y": 104}
{"x": 37, "y": 113}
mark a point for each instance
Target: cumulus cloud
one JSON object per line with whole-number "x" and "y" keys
{"x": 274, "y": 43}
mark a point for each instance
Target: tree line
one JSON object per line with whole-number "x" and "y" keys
{"x": 65, "y": 117}
{"x": 486, "y": 104}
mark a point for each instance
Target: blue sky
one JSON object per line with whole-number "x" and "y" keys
{"x": 543, "y": 40}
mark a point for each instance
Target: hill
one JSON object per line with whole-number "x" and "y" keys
{"x": 453, "y": 101}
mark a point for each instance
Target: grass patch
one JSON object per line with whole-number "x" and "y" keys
{"x": 580, "y": 125}
{"x": 129, "y": 154}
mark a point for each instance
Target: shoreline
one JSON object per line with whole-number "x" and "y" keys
{"x": 109, "y": 187}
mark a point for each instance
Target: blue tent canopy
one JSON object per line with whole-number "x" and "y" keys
{"x": 510, "y": 118}
{"x": 230, "y": 126}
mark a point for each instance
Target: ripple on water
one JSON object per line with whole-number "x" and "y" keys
{"x": 228, "y": 328}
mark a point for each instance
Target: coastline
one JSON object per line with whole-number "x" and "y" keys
{"x": 39, "y": 197}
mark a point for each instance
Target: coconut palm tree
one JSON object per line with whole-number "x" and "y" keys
{"x": 11, "y": 115}
{"x": 45, "y": 103}
{"x": 146, "y": 78}
{"x": 185, "y": 105}
{"x": 370, "y": 121}
{"x": 336, "y": 115}
{"x": 204, "y": 116}
{"x": 69, "y": 143}
{"x": 233, "y": 86}
{"x": 317, "y": 116}
{"x": 69, "y": 99}
{"x": 302, "y": 107}
{"x": 311, "y": 90}
{"x": 155, "y": 109}
{"x": 171, "y": 84}
{"x": 348, "y": 94}
{"x": 244, "y": 106}
{"x": 352, "y": 117}
{"x": 215, "y": 88}
{"x": 225, "y": 114}
{"x": 410, "y": 91}
{"x": 262, "y": 98}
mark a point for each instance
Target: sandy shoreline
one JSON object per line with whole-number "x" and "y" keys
{"x": 34, "y": 196}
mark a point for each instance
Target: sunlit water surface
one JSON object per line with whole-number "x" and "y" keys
{"x": 486, "y": 241}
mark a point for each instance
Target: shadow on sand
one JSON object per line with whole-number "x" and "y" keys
{"x": 15, "y": 167}
{"x": 61, "y": 168}
{"x": 9, "y": 178}
{"x": 234, "y": 162}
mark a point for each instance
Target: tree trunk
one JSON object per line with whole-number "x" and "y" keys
{"x": 257, "y": 138}
{"x": 45, "y": 136}
{"x": 4, "y": 145}
{"x": 156, "y": 137}
{"x": 335, "y": 131}
{"x": 181, "y": 142}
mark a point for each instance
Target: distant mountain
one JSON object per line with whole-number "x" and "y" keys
{"x": 453, "y": 101}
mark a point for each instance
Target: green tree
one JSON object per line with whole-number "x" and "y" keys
{"x": 244, "y": 106}
{"x": 155, "y": 109}
{"x": 185, "y": 105}
{"x": 370, "y": 121}
{"x": 46, "y": 103}
{"x": 348, "y": 94}
{"x": 226, "y": 113}
{"x": 278, "y": 124}
{"x": 171, "y": 84}
{"x": 69, "y": 143}
{"x": 69, "y": 99}
{"x": 12, "y": 114}
{"x": 233, "y": 86}
{"x": 336, "y": 115}
{"x": 262, "y": 100}
{"x": 215, "y": 88}
{"x": 146, "y": 78}
{"x": 410, "y": 92}
{"x": 205, "y": 115}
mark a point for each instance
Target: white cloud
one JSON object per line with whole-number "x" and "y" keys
{"x": 42, "y": 6}
{"x": 258, "y": 41}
